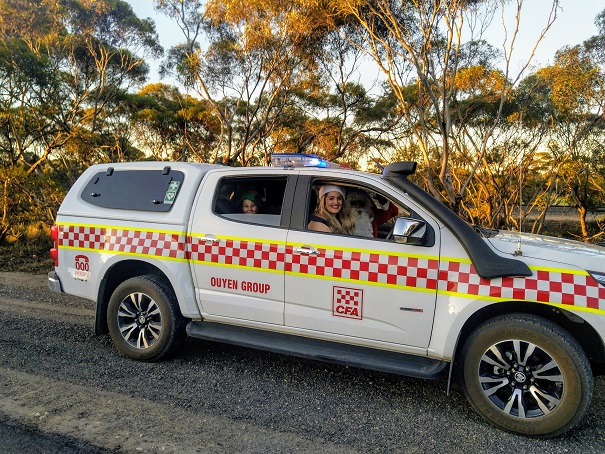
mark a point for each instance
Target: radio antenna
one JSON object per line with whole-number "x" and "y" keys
{"x": 380, "y": 166}
{"x": 519, "y": 251}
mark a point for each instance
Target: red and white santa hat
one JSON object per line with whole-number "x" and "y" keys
{"x": 331, "y": 188}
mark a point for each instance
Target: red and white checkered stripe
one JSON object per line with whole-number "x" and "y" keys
{"x": 367, "y": 267}
{"x": 267, "y": 256}
{"x": 459, "y": 278}
{"x": 140, "y": 242}
{"x": 544, "y": 285}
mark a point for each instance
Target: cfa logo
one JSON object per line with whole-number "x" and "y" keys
{"x": 347, "y": 302}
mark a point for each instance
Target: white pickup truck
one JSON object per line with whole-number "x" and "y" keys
{"x": 165, "y": 251}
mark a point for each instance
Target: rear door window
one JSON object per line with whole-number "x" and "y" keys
{"x": 257, "y": 200}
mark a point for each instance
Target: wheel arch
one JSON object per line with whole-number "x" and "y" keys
{"x": 115, "y": 275}
{"x": 577, "y": 327}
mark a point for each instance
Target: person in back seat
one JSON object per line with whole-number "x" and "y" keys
{"x": 250, "y": 203}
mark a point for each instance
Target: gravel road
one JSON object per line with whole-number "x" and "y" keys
{"x": 63, "y": 389}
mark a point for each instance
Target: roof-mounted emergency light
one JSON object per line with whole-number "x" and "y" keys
{"x": 287, "y": 160}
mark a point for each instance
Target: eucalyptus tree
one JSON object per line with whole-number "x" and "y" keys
{"x": 279, "y": 77}
{"x": 22, "y": 77}
{"x": 171, "y": 125}
{"x": 421, "y": 43}
{"x": 89, "y": 54}
{"x": 65, "y": 68}
{"x": 245, "y": 58}
{"x": 346, "y": 113}
{"x": 577, "y": 92}
{"x": 595, "y": 46}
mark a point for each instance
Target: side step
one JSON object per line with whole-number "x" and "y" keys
{"x": 349, "y": 355}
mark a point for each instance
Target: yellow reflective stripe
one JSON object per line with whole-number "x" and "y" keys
{"x": 118, "y": 227}
{"x": 338, "y": 279}
{"x": 366, "y": 251}
{"x": 357, "y": 281}
{"x": 497, "y": 299}
{"x": 235, "y": 238}
{"x": 129, "y": 254}
{"x": 242, "y": 267}
{"x": 456, "y": 259}
{"x": 559, "y": 270}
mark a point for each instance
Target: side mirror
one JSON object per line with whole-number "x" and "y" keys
{"x": 409, "y": 231}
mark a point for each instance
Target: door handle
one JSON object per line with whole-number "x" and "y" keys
{"x": 211, "y": 239}
{"x": 306, "y": 250}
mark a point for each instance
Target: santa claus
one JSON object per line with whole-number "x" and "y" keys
{"x": 366, "y": 215}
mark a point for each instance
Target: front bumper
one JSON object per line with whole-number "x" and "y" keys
{"x": 54, "y": 283}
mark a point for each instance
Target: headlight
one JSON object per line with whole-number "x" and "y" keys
{"x": 599, "y": 277}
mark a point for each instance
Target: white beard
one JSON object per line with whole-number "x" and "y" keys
{"x": 363, "y": 222}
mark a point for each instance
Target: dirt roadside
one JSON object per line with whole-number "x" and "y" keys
{"x": 115, "y": 422}
{"x": 70, "y": 388}
{"x": 112, "y": 421}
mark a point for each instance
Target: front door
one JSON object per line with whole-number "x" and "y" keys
{"x": 362, "y": 287}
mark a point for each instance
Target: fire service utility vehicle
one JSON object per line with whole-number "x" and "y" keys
{"x": 165, "y": 251}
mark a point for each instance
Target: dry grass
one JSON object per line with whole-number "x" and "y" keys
{"x": 27, "y": 251}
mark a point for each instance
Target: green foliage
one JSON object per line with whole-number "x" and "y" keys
{"x": 272, "y": 76}
{"x": 171, "y": 125}
{"x": 26, "y": 200}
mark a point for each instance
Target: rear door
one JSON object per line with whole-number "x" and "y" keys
{"x": 238, "y": 259}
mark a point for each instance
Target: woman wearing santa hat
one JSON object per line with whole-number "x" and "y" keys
{"x": 331, "y": 214}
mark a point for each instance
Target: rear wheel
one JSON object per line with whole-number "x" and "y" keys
{"x": 524, "y": 374}
{"x": 144, "y": 319}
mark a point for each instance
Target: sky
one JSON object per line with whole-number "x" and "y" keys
{"x": 574, "y": 24}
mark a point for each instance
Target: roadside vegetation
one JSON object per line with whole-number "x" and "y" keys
{"x": 490, "y": 134}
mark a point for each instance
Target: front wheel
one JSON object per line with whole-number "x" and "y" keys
{"x": 144, "y": 320}
{"x": 524, "y": 374}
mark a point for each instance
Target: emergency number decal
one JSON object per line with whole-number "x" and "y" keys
{"x": 347, "y": 302}
{"x": 81, "y": 271}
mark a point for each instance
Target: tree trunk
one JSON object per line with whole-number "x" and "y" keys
{"x": 582, "y": 216}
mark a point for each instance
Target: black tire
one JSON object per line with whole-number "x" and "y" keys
{"x": 144, "y": 320}
{"x": 526, "y": 375}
